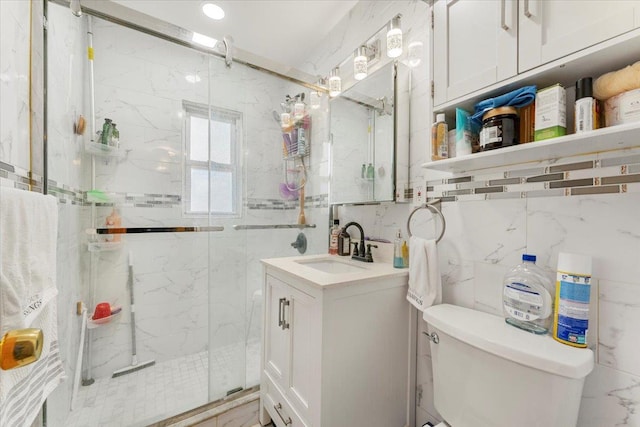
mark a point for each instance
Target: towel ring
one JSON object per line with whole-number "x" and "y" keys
{"x": 430, "y": 206}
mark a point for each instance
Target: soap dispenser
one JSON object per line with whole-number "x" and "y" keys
{"x": 398, "y": 260}
{"x": 344, "y": 243}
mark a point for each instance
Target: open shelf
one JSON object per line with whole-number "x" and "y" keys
{"x": 103, "y": 150}
{"x": 92, "y": 324}
{"x": 600, "y": 140}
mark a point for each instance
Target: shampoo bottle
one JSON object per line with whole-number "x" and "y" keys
{"x": 107, "y": 132}
{"x": 114, "y": 221}
{"x": 440, "y": 139}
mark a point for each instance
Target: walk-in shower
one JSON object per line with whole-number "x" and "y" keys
{"x": 153, "y": 212}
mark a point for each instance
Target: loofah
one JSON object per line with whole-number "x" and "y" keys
{"x": 617, "y": 82}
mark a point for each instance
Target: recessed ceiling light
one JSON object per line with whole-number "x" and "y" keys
{"x": 204, "y": 40}
{"x": 213, "y": 11}
{"x": 192, "y": 78}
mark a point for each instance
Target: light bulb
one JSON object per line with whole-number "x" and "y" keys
{"x": 335, "y": 83}
{"x": 213, "y": 11}
{"x": 394, "y": 38}
{"x": 360, "y": 63}
{"x": 314, "y": 99}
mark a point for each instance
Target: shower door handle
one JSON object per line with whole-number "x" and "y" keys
{"x": 281, "y": 312}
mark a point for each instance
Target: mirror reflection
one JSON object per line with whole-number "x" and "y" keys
{"x": 364, "y": 126}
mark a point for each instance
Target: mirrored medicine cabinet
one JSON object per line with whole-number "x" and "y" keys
{"x": 370, "y": 138}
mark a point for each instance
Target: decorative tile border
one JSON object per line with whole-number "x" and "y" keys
{"x": 611, "y": 175}
{"x": 318, "y": 201}
{"x": 15, "y": 177}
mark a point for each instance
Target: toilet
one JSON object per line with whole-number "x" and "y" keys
{"x": 490, "y": 374}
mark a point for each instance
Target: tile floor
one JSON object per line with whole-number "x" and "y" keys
{"x": 162, "y": 390}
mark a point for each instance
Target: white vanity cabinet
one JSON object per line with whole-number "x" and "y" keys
{"x": 477, "y": 44}
{"x": 550, "y": 30}
{"x": 337, "y": 348}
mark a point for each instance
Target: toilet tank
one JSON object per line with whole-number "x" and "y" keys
{"x": 489, "y": 374}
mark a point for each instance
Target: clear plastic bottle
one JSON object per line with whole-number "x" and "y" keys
{"x": 398, "y": 261}
{"x": 527, "y": 300}
{"x": 115, "y": 136}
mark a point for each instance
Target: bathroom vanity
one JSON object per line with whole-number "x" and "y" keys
{"x": 338, "y": 343}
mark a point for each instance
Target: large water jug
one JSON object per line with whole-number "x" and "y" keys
{"x": 527, "y": 297}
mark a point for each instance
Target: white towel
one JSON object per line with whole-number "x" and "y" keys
{"x": 28, "y": 234}
{"x": 425, "y": 286}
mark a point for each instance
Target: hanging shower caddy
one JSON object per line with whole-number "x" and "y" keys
{"x": 296, "y": 127}
{"x": 295, "y": 122}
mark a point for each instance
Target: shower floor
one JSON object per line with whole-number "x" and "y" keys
{"x": 162, "y": 390}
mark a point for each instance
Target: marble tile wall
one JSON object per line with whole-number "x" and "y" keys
{"x": 151, "y": 138}
{"x": 14, "y": 83}
{"x": 179, "y": 278}
{"x": 485, "y": 238}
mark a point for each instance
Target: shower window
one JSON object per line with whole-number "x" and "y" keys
{"x": 213, "y": 138}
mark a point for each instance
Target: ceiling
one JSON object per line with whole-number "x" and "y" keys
{"x": 280, "y": 30}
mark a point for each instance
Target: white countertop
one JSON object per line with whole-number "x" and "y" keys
{"x": 295, "y": 266}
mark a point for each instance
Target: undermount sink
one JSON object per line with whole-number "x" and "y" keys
{"x": 331, "y": 266}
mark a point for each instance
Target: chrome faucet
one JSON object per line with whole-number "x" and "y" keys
{"x": 359, "y": 251}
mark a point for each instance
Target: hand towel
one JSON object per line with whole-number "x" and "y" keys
{"x": 516, "y": 98}
{"x": 425, "y": 285}
{"x": 28, "y": 230}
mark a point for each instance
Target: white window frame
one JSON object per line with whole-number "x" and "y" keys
{"x": 219, "y": 114}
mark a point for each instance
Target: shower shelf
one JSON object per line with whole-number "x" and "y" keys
{"x": 102, "y": 150}
{"x": 103, "y": 246}
{"x": 92, "y": 324}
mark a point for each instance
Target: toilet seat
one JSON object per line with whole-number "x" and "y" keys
{"x": 442, "y": 424}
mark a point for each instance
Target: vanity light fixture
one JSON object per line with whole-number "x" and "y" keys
{"x": 213, "y": 11}
{"x": 335, "y": 83}
{"x": 394, "y": 38}
{"x": 204, "y": 40}
{"x": 360, "y": 63}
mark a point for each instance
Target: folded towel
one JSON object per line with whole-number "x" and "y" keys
{"x": 29, "y": 229}
{"x": 25, "y": 389}
{"x": 617, "y": 82}
{"x": 516, "y": 98}
{"x": 425, "y": 286}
